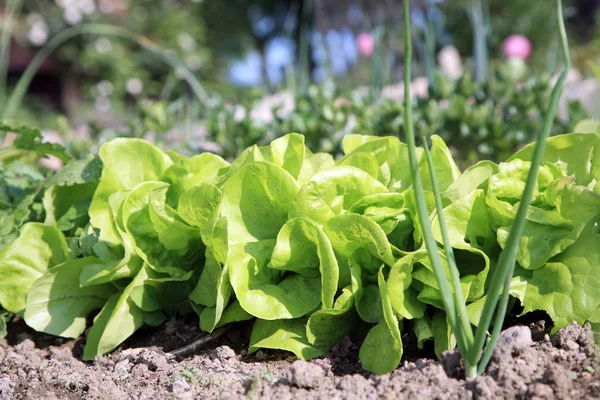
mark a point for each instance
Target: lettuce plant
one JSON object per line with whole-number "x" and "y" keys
{"x": 312, "y": 248}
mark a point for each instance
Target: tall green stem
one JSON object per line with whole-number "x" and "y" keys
{"x": 459, "y": 298}
{"x": 423, "y": 214}
{"x": 305, "y": 45}
{"x": 501, "y": 276}
{"x": 377, "y": 61}
{"x": 12, "y": 11}
{"x": 480, "y": 55}
{"x": 98, "y": 29}
{"x": 429, "y": 52}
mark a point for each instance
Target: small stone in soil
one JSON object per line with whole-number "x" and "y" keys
{"x": 305, "y": 374}
{"x": 223, "y": 353}
{"x": 6, "y": 388}
{"x": 179, "y": 387}
{"x": 515, "y": 337}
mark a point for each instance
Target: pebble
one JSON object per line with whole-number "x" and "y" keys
{"x": 223, "y": 353}
{"x": 260, "y": 356}
{"x": 571, "y": 345}
{"x": 122, "y": 368}
{"x": 515, "y": 337}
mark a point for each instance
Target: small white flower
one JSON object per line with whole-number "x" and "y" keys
{"x": 73, "y": 16}
{"x": 239, "y": 113}
{"x": 484, "y": 148}
{"x": 87, "y": 6}
{"x": 38, "y": 34}
{"x": 450, "y": 62}
{"x": 520, "y": 136}
{"x": 104, "y": 88}
{"x": 103, "y": 45}
{"x": 134, "y": 86}
{"x": 186, "y": 42}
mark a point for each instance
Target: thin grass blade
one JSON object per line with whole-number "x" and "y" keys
{"x": 430, "y": 243}
{"x": 500, "y": 279}
{"x": 99, "y": 29}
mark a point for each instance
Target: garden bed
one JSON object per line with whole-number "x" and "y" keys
{"x": 38, "y": 366}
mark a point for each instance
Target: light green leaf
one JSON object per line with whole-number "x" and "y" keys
{"x": 256, "y": 201}
{"x": 303, "y": 247}
{"x": 261, "y": 291}
{"x": 422, "y": 330}
{"x": 353, "y": 141}
{"x": 549, "y": 232}
{"x": 364, "y": 161}
{"x": 576, "y": 153}
{"x": 468, "y": 224}
{"x": 286, "y": 152}
{"x": 161, "y": 238}
{"x": 568, "y": 286}
{"x": 403, "y": 298}
{"x": 213, "y": 290}
{"x": 517, "y": 289}
{"x": 368, "y": 304}
{"x": 190, "y": 172}
{"x": 446, "y": 170}
{"x": 119, "y": 318}
{"x": 38, "y": 248}
{"x": 57, "y": 305}
{"x": 234, "y": 313}
{"x": 442, "y": 334}
{"x": 474, "y": 177}
{"x": 392, "y": 158}
{"x": 314, "y": 163}
{"x": 127, "y": 162}
{"x": 199, "y": 207}
{"x": 328, "y": 326}
{"x": 58, "y": 200}
{"x": 289, "y": 335}
{"x": 332, "y": 192}
{"x": 387, "y": 209}
{"x": 382, "y": 350}
{"x": 351, "y": 232}
{"x": 110, "y": 271}
{"x": 587, "y": 125}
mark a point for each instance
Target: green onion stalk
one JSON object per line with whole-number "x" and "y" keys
{"x": 472, "y": 344}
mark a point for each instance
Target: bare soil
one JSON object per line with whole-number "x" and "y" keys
{"x": 37, "y": 366}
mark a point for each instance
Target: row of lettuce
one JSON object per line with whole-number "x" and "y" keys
{"x": 311, "y": 248}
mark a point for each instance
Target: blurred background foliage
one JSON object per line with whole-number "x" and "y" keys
{"x": 323, "y": 68}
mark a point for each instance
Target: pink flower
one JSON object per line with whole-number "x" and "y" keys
{"x": 365, "y": 44}
{"x": 517, "y": 46}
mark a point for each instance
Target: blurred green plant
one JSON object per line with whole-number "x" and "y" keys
{"x": 491, "y": 119}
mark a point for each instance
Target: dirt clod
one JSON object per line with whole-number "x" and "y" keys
{"x": 305, "y": 374}
{"x": 6, "y": 388}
